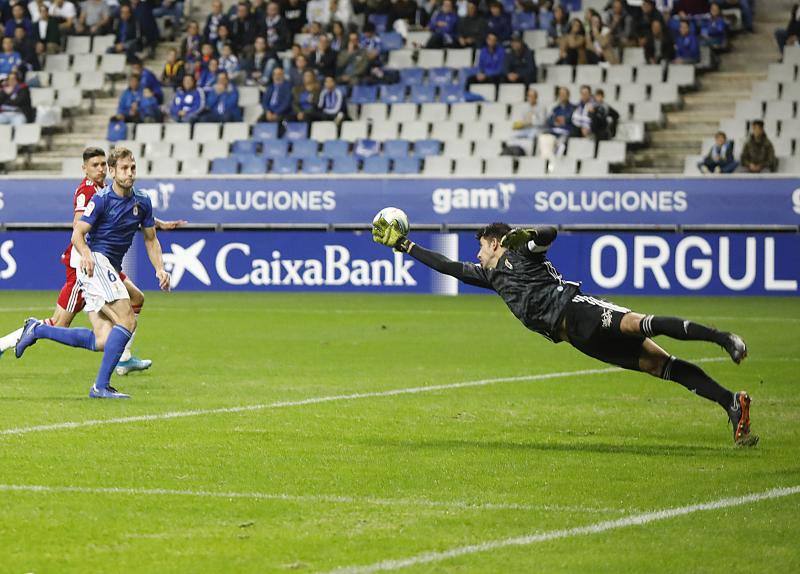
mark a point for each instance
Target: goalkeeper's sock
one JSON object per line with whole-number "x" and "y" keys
{"x": 676, "y": 328}
{"x": 76, "y": 337}
{"x": 8, "y": 341}
{"x": 696, "y": 380}
{"x": 115, "y": 344}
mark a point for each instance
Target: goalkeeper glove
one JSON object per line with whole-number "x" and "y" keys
{"x": 389, "y": 234}
{"x": 517, "y": 238}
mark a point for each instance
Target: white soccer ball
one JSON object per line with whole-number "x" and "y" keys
{"x": 392, "y": 214}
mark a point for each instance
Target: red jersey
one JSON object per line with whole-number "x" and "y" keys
{"x": 80, "y": 200}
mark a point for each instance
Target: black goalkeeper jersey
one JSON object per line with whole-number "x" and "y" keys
{"x": 528, "y": 283}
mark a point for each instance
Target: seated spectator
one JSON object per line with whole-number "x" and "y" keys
{"x": 277, "y": 102}
{"x": 491, "y": 63}
{"x": 620, "y": 24}
{"x": 520, "y": 65}
{"x": 173, "y": 70}
{"x": 127, "y": 35}
{"x": 47, "y": 32}
{"x": 687, "y": 50}
{"x": 148, "y": 28}
{"x": 244, "y": 29}
{"x": 127, "y": 107}
{"x": 758, "y": 154}
{"x": 277, "y": 33}
{"x": 327, "y": 11}
{"x": 604, "y": 117}
{"x": 229, "y": 63}
{"x": 310, "y": 43}
{"x": 26, "y": 47}
{"x": 573, "y": 46}
{"x": 582, "y": 114}
{"x": 658, "y": 45}
{"x": 323, "y": 59}
{"x": 223, "y": 37}
{"x": 352, "y": 63}
{"x": 188, "y": 102}
{"x": 714, "y": 31}
{"x": 338, "y": 37}
{"x": 18, "y": 19}
{"x": 499, "y": 22}
{"x": 529, "y": 122}
{"x": 559, "y": 27}
{"x": 305, "y": 97}
{"x": 295, "y": 74}
{"x": 15, "y": 102}
{"x": 443, "y": 26}
{"x": 208, "y": 76}
{"x": 598, "y": 41}
{"x": 648, "y": 14}
{"x": 174, "y": 10}
{"x": 744, "y": 7}
{"x": 34, "y": 10}
{"x": 370, "y": 41}
{"x": 331, "y": 105}
{"x": 10, "y": 59}
{"x": 471, "y": 29}
{"x": 719, "y": 158}
{"x": 294, "y": 13}
{"x": 214, "y": 20}
{"x": 560, "y": 119}
{"x": 222, "y": 102}
{"x": 149, "y": 81}
{"x": 94, "y": 19}
{"x": 65, "y": 13}
{"x": 258, "y": 67}
{"x": 191, "y": 44}
{"x": 206, "y": 56}
{"x": 149, "y": 108}
{"x": 789, "y": 36}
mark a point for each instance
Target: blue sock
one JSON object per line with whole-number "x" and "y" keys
{"x": 115, "y": 344}
{"x": 66, "y": 336}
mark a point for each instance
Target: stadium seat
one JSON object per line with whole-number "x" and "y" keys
{"x": 186, "y": 150}
{"x": 177, "y": 133}
{"x": 445, "y": 131}
{"x": 681, "y": 74}
{"x": 275, "y": 148}
{"x": 458, "y": 57}
{"x": 647, "y": 112}
{"x": 611, "y": 151}
{"x": 428, "y": 59}
{"x": 164, "y": 167}
{"x": 502, "y": 130}
{"x": 427, "y": 147}
{"x": 464, "y": 112}
{"x": 522, "y": 21}
{"x": 488, "y": 148}
{"x": 27, "y": 134}
{"x": 766, "y": 91}
{"x": 101, "y": 44}
{"x": 324, "y": 131}
{"x": 249, "y": 96}
{"x": 406, "y": 165}
{"x": 69, "y": 98}
{"x": 435, "y": 112}
{"x": 457, "y": 148}
{"x": 546, "y": 19}
{"x": 302, "y": 149}
{"x": 438, "y": 166}
{"x": 253, "y": 165}
{"x": 85, "y": 64}
{"x": 387, "y": 130}
{"x": 535, "y": 39}
{"x": 244, "y": 147}
{"x": 511, "y": 93}
{"x": 374, "y": 112}
{"x": 380, "y": 21}
{"x": 364, "y": 94}
{"x": 633, "y": 56}
{"x": 71, "y": 165}
{"x": 364, "y": 148}
{"x": 589, "y": 74}
{"x": 298, "y": 130}
{"x": 464, "y": 74}
{"x": 595, "y": 167}
{"x": 214, "y": 149}
{"x": 265, "y": 131}
{"x": 451, "y": 94}
{"x": 136, "y": 147}
{"x": 399, "y": 59}
{"x": 396, "y": 148}
{"x": 413, "y": 130}
{"x": 152, "y": 150}
{"x": 149, "y": 133}
{"x": 440, "y": 76}
{"x": 690, "y": 164}
{"x": 79, "y": 45}
{"x": 580, "y": 148}
{"x": 780, "y": 109}
{"x": 665, "y": 94}
{"x": 335, "y": 148}
{"x": 91, "y": 82}
{"x": 353, "y": 130}
{"x": 562, "y": 166}
{"x": 376, "y": 165}
{"x": 417, "y": 38}
{"x": 486, "y": 91}
{"x": 315, "y": 165}
{"x": 344, "y": 165}
{"x": 632, "y": 93}
{"x": 203, "y": 132}
{"x": 784, "y": 72}
{"x": 412, "y": 76}
{"x": 475, "y": 131}
{"x": 405, "y": 112}
{"x": 620, "y": 74}
{"x": 749, "y": 110}
{"x": 501, "y": 166}
{"x": 531, "y": 166}
{"x": 393, "y": 93}
{"x": 391, "y": 41}
{"x": 423, "y": 94}
{"x": 789, "y": 165}
{"x": 224, "y": 166}
{"x": 113, "y": 64}
{"x": 194, "y": 167}
{"x": 559, "y": 75}
{"x": 494, "y": 111}
{"x": 232, "y": 131}
{"x": 284, "y": 165}
{"x": 8, "y": 151}
{"x": 468, "y": 167}
{"x": 57, "y": 63}
{"x": 652, "y": 74}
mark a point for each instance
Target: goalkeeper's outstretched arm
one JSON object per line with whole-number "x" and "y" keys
{"x": 467, "y": 272}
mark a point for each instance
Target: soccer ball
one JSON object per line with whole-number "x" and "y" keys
{"x": 392, "y": 214}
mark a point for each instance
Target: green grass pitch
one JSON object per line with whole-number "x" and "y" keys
{"x": 325, "y": 485}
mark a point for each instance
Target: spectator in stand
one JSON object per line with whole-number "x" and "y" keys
{"x": 331, "y": 105}
{"x": 277, "y": 32}
{"x": 10, "y": 59}
{"x": 173, "y": 70}
{"x": 520, "y": 64}
{"x": 560, "y": 119}
{"x": 173, "y": 9}
{"x": 499, "y": 22}
{"x": 148, "y": 28}
{"x": 620, "y": 24}
{"x": 223, "y": 37}
{"x": 26, "y": 47}
{"x": 658, "y": 44}
{"x": 559, "y": 27}
{"x": 472, "y": 28}
{"x": 352, "y": 63}
{"x": 648, "y": 14}
{"x": 582, "y": 114}
{"x": 758, "y": 154}
{"x": 789, "y": 36}
{"x": 95, "y": 18}
{"x": 15, "y": 102}
{"x": 714, "y": 30}
{"x": 294, "y": 13}
{"x": 149, "y": 80}
{"x": 719, "y": 158}
{"x": 370, "y": 41}
{"x": 258, "y": 67}
{"x": 491, "y": 63}
{"x": 34, "y": 10}
{"x": 259, "y": 9}
{"x": 206, "y": 55}
{"x": 277, "y": 102}
{"x": 338, "y": 37}
{"x": 604, "y": 117}
{"x": 323, "y": 59}
{"x": 326, "y": 11}
{"x": 244, "y": 28}
{"x": 599, "y": 43}
{"x": 65, "y": 13}
{"x": 529, "y": 122}
{"x": 188, "y": 102}
{"x": 214, "y": 20}
{"x": 47, "y": 32}
{"x": 191, "y": 43}
{"x": 222, "y": 102}
{"x": 297, "y": 71}
{"x": 128, "y": 105}
{"x": 744, "y": 7}
{"x": 149, "y": 108}
{"x": 687, "y": 49}
{"x": 229, "y": 63}
{"x": 573, "y": 46}
{"x": 402, "y": 14}
{"x": 208, "y": 76}
{"x": 127, "y": 36}
{"x": 443, "y": 26}
{"x": 18, "y": 19}
{"x": 305, "y": 97}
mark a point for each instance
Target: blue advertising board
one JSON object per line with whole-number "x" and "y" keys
{"x": 614, "y": 263}
{"x": 318, "y": 201}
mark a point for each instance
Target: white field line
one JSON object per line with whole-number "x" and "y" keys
{"x": 310, "y": 401}
{"x": 315, "y": 498}
{"x": 596, "y": 528}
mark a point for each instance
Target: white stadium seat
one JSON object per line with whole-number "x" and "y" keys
{"x": 438, "y": 166}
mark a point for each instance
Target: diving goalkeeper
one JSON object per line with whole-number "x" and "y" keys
{"x": 513, "y": 263}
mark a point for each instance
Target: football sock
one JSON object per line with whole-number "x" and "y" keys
{"x": 127, "y": 353}
{"x": 115, "y": 344}
{"x": 696, "y": 380}
{"x": 67, "y": 336}
{"x": 676, "y": 328}
{"x": 9, "y": 341}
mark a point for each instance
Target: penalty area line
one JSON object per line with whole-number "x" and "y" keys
{"x": 547, "y": 536}
{"x": 310, "y": 401}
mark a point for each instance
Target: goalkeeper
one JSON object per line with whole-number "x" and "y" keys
{"x": 513, "y": 263}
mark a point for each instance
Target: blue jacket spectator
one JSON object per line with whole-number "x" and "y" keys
{"x": 715, "y": 29}
{"x": 331, "y": 104}
{"x": 499, "y": 22}
{"x": 222, "y": 103}
{"x": 18, "y": 19}
{"x": 149, "y": 108}
{"x": 148, "y": 79}
{"x": 560, "y": 119}
{"x": 443, "y": 25}
{"x": 9, "y": 58}
{"x": 277, "y": 101}
{"x": 188, "y": 102}
{"x": 687, "y": 49}
{"x": 492, "y": 58}
{"x": 208, "y": 76}
{"x": 131, "y": 95}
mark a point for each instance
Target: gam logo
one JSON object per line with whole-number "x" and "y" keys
{"x": 159, "y": 196}
{"x": 497, "y": 198}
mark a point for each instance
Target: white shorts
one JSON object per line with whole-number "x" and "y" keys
{"x": 104, "y": 286}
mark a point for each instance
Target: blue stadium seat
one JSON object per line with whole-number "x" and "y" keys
{"x": 406, "y": 165}
{"x": 521, "y": 21}
{"x": 393, "y": 93}
{"x": 412, "y": 76}
{"x": 364, "y": 95}
{"x": 244, "y": 147}
{"x": 396, "y": 148}
{"x": 423, "y": 94}
{"x": 365, "y": 148}
{"x": 545, "y": 19}
{"x": 284, "y": 165}
{"x": 224, "y": 166}
{"x": 296, "y": 131}
{"x": 254, "y": 164}
{"x": 315, "y": 165}
{"x": 345, "y": 165}
{"x": 265, "y": 131}
{"x": 424, "y": 148}
{"x": 440, "y": 76}
{"x": 380, "y": 21}
{"x": 465, "y": 74}
{"x": 451, "y": 94}
{"x": 376, "y": 165}
{"x": 391, "y": 41}
{"x": 302, "y": 149}
{"x": 335, "y": 148}
{"x": 274, "y": 148}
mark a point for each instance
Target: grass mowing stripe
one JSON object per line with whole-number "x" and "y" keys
{"x": 329, "y": 498}
{"x": 313, "y": 400}
{"x": 633, "y": 520}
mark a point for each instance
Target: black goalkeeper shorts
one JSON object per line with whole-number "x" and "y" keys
{"x": 593, "y": 329}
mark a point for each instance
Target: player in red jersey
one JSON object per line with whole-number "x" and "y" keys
{"x": 70, "y": 301}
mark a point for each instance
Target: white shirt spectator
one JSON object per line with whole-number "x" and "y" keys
{"x": 320, "y": 11}
{"x": 33, "y": 8}
{"x": 66, "y": 10}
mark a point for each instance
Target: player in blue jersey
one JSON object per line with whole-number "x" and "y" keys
{"x": 101, "y": 238}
